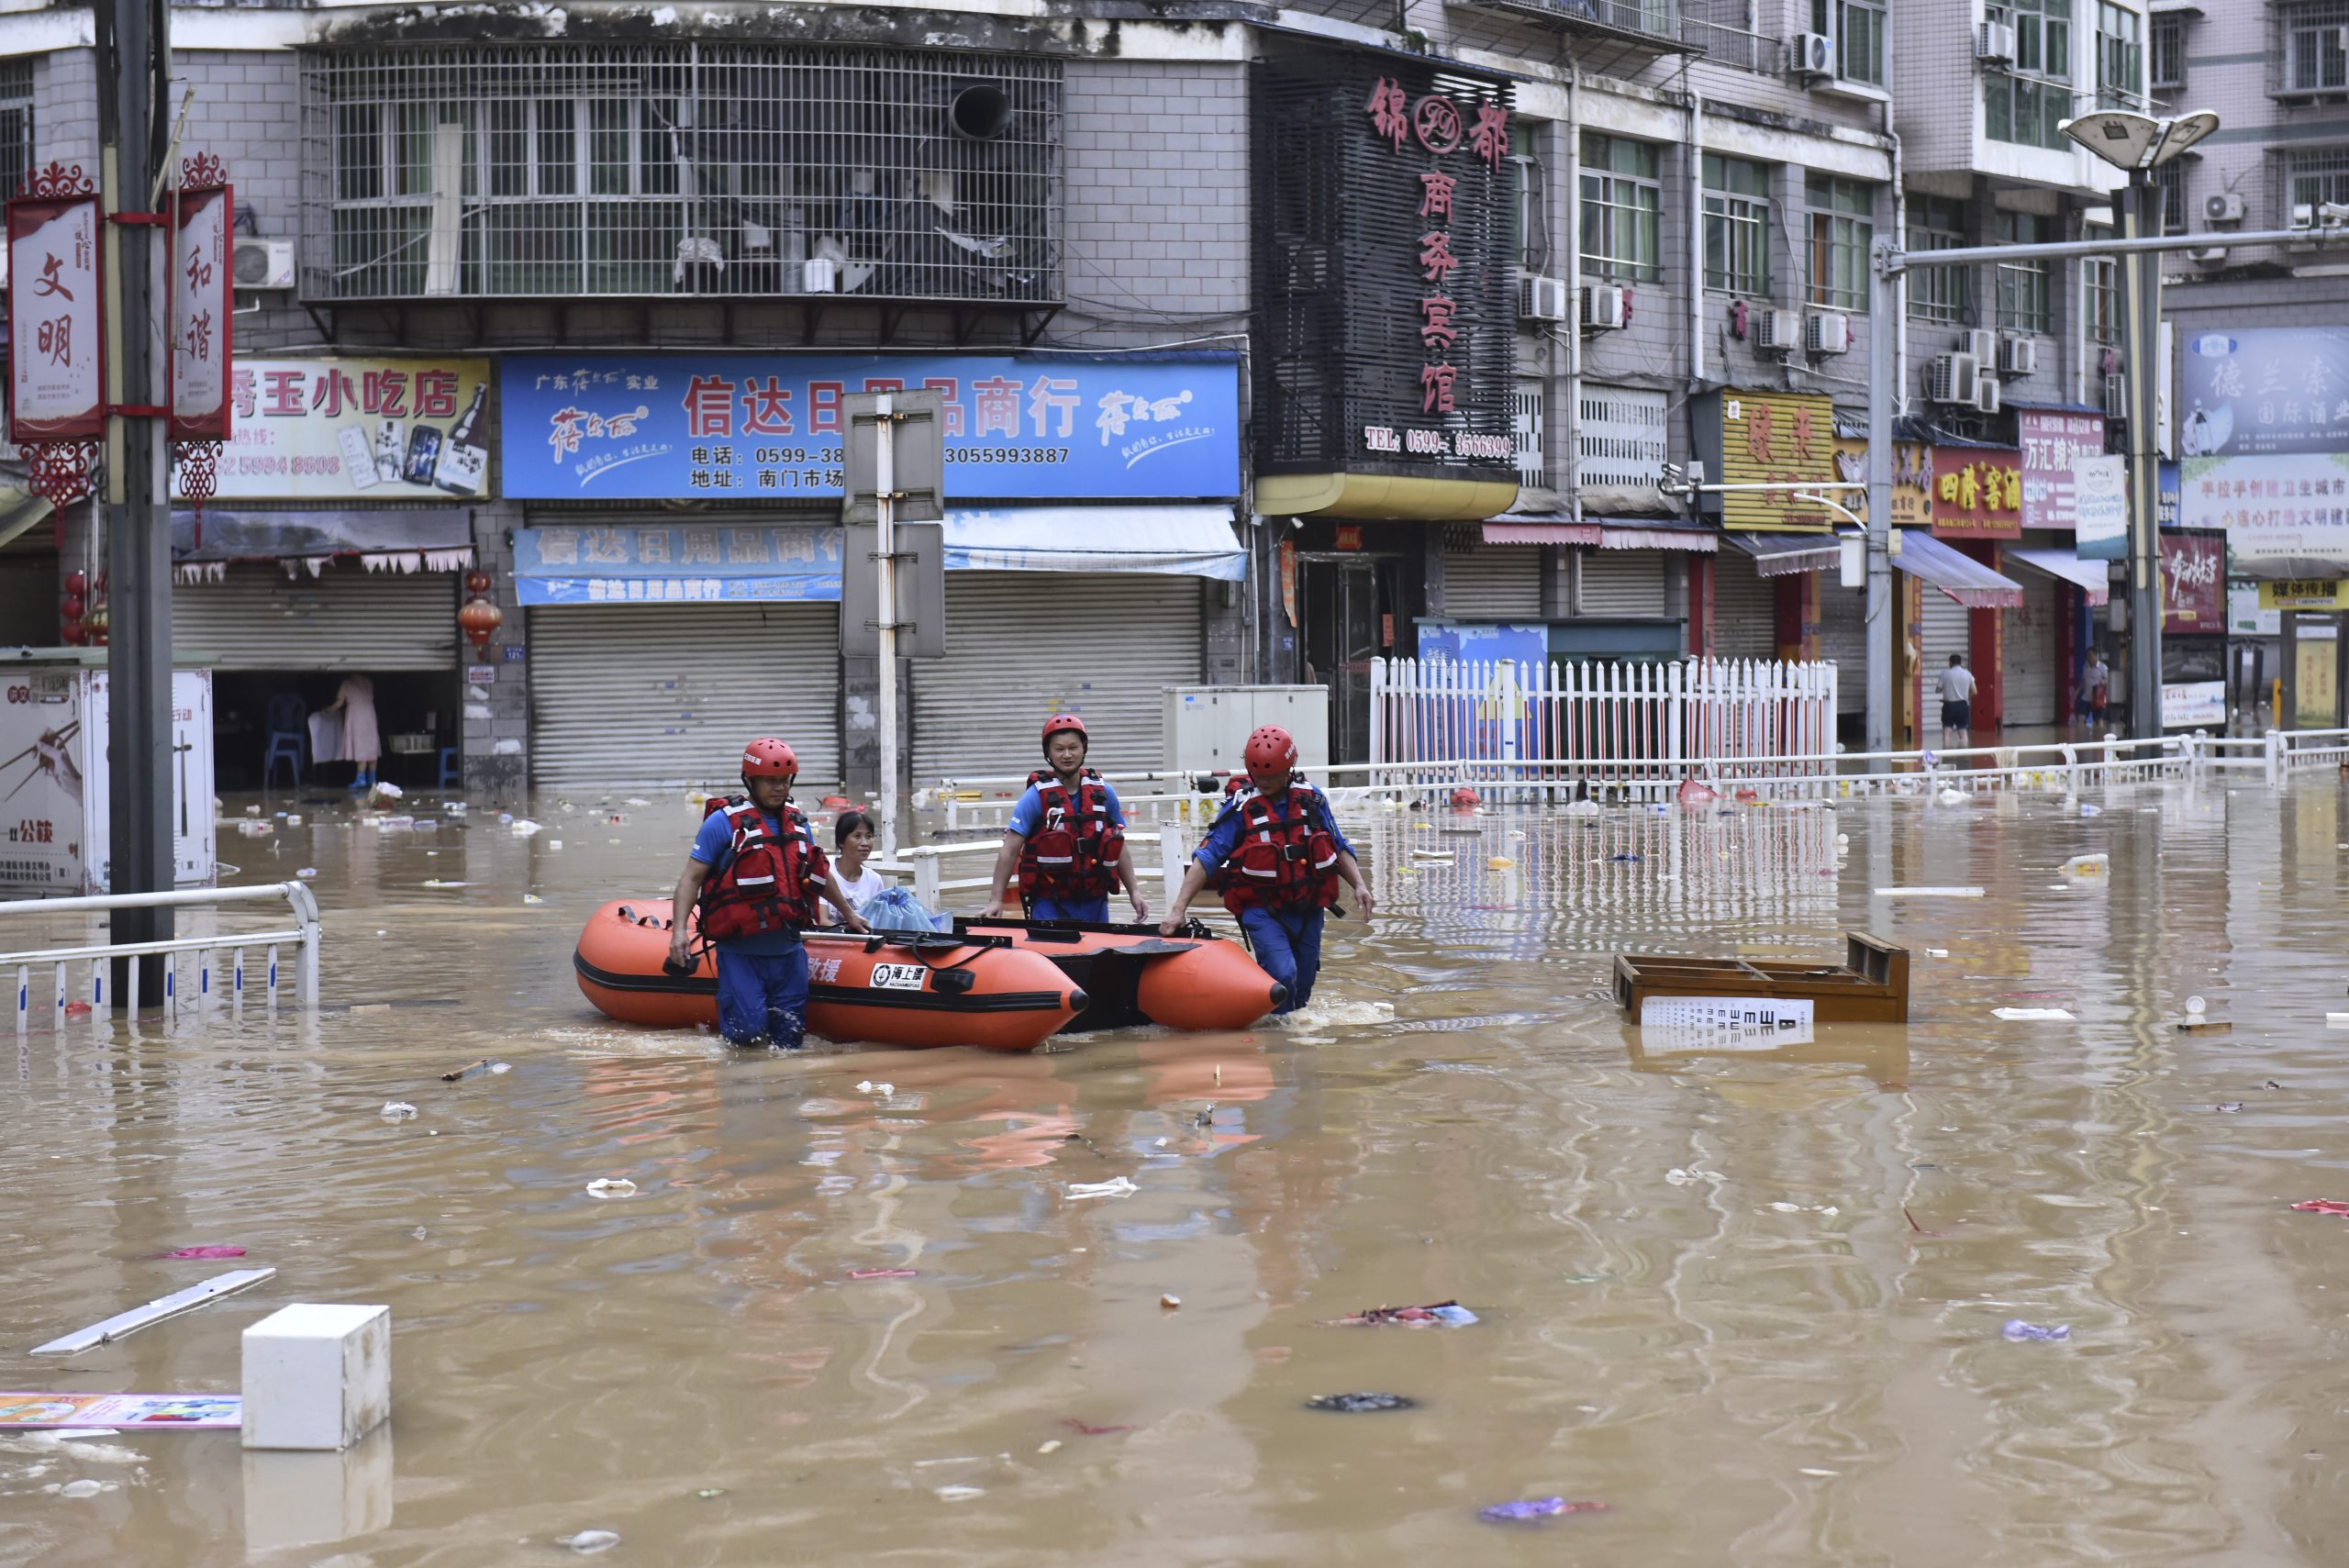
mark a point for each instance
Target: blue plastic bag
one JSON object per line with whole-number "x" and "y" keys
{"x": 897, "y": 909}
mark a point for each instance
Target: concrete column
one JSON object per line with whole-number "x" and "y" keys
{"x": 493, "y": 728}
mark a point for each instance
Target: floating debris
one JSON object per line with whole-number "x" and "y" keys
{"x": 1360, "y": 1404}
{"x": 1537, "y": 1508}
{"x": 2018, "y": 1330}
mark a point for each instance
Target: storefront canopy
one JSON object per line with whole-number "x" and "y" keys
{"x": 1599, "y": 533}
{"x": 1191, "y": 541}
{"x": 1626, "y": 534}
{"x": 402, "y": 539}
{"x": 1782, "y": 555}
{"x": 2088, "y": 575}
{"x": 1967, "y": 581}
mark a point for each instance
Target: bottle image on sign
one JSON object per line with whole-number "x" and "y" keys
{"x": 423, "y": 454}
{"x": 464, "y": 462}
{"x": 358, "y": 460}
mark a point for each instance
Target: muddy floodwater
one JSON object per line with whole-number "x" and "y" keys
{"x": 1750, "y": 1299}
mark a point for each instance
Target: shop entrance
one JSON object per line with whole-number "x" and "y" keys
{"x": 1349, "y": 605}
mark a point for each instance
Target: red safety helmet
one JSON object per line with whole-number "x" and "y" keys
{"x": 768, "y": 758}
{"x": 1061, "y": 723}
{"x": 1271, "y": 750}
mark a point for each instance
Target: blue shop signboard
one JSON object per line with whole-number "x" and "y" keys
{"x": 594, "y": 563}
{"x": 745, "y": 427}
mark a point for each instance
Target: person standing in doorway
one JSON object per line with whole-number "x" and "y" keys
{"x": 1066, "y": 838}
{"x": 354, "y": 701}
{"x": 1957, "y": 702}
{"x": 2096, "y": 688}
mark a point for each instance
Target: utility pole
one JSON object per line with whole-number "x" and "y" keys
{"x": 1884, "y": 327}
{"x": 134, "y": 70}
{"x": 2140, "y": 208}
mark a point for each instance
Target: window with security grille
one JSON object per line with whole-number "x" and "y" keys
{"x": 1525, "y": 434}
{"x": 2170, "y": 180}
{"x": 15, "y": 124}
{"x": 1737, "y": 226}
{"x": 2026, "y": 297}
{"x": 1842, "y": 232}
{"x": 1622, "y": 208}
{"x": 2311, "y": 179}
{"x": 2169, "y": 52}
{"x": 2316, "y": 46}
{"x": 2028, "y": 101}
{"x": 1626, "y": 437}
{"x": 560, "y": 171}
{"x": 2100, "y": 292}
{"x": 1941, "y": 294}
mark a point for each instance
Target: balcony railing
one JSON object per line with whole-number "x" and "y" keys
{"x": 1654, "y": 24}
{"x": 1731, "y": 45}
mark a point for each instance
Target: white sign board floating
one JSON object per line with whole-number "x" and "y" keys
{"x": 1669, "y": 1024}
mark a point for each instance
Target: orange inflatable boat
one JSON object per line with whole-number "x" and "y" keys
{"x": 894, "y": 988}
{"x": 1130, "y": 975}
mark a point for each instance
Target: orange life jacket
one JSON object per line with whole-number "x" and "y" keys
{"x": 1074, "y": 850}
{"x": 1281, "y": 862}
{"x": 765, "y": 882}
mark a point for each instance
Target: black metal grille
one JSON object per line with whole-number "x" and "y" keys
{"x": 1339, "y": 282}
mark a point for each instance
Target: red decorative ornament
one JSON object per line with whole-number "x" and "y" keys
{"x": 59, "y": 471}
{"x": 58, "y": 180}
{"x": 77, "y": 583}
{"x": 476, "y": 582}
{"x": 97, "y": 622}
{"x": 73, "y": 634}
{"x": 72, "y": 606}
{"x": 1437, "y": 121}
{"x": 480, "y": 620}
{"x": 202, "y": 172}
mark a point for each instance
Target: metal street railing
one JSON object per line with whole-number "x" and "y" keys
{"x": 212, "y": 985}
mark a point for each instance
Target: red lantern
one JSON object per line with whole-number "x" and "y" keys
{"x": 480, "y": 620}
{"x": 476, "y": 582}
{"x": 72, "y": 608}
{"x": 76, "y": 584}
{"x": 73, "y": 633}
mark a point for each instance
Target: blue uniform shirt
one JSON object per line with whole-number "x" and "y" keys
{"x": 1029, "y": 813}
{"x": 1224, "y": 837}
{"x": 710, "y": 848}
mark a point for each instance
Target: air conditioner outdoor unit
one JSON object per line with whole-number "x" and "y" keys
{"x": 1987, "y": 398}
{"x": 263, "y": 263}
{"x": 2018, "y": 356}
{"x": 2116, "y": 396}
{"x": 1980, "y": 342}
{"x": 1995, "y": 41}
{"x": 1951, "y": 378}
{"x": 1603, "y": 308}
{"x": 1814, "y": 54}
{"x": 1776, "y": 331}
{"x": 2207, "y": 255}
{"x": 1827, "y": 332}
{"x": 821, "y": 275}
{"x": 2224, "y": 207}
{"x": 1541, "y": 299}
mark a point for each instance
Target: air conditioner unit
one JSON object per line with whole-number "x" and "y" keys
{"x": 2207, "y": 255}
{"x": 1814, "y": 54}
{"x": 1541, "y": 299}
{"x": 1987, "y": 398}
{"x": 1604, "y": 308}
{"x": 1776, "y": 331}
{"x": 1995, "y": 42}
{"x": 2116, "y": 396}
{"x": 2224, "y": 207}
{"x": 1827, "y": 332}
{"x": 1951, "y": 378}
{"x": 263, "y": 263}
{"x": 821, "y": 275}
{"x": 2018, "y": 356}
{"x": 1981, "y": 343}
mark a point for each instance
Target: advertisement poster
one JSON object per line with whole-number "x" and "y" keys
{"x": 53, "y": 798}
{"x": 2100, "y": 507}
{"x": 2246, "y": 617}
{"x": 2325, "y": 594}
{"x": 1977, "y": 494}
{"x": 2194, "y": 703}
{"x": 56, "y": 364}
{"x": 2264, "y": 391}
{"x": 2050, "y": 440}
{"x": 596, "y": 565}
{"x": 2317, "y": 700}
{"x": 1784, "y": 438}
{"x": 2194, "y": 576}
{"x": 2276, "y": 510}
{"x": 329, "y": 431}
{"x": 1912, "y": 479}
{"x": 20, "y": 1412}
{"x": 663, "y": 427}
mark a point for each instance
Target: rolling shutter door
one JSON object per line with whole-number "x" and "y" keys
{"x": 2027, "y": 651}
{"x": 345, "y": 619}
{"x": 1844, "y": 641}
{"x": 1745, "y": 608}
{"x": 661, "y": 695}
{"x": 1943, "y": 629}
{"x": 1494, "y": 583}
{"x": 1021, "y": 646}
{"x": 1627, "y": 583}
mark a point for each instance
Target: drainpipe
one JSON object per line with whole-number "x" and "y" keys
{"x": 1570, "y": 468}
{"x": 1696, "y": 240}
{"x": 1899, "y": 237}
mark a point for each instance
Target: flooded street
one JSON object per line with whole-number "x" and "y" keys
{"x": 1751, "y": 1301}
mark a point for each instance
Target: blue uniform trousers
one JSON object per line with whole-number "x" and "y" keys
{"x": 1094, "y": 909}
{"x": 763, "y": 996}
{"x": 1288, "y": 944}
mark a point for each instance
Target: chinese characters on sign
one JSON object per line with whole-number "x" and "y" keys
{"x": 1785, "y": 440}
{"x": 2304, "y": 593}
{"x": 1977, "y": 494}
{"x": 594, "y": 564}
{"x": 202, "y": 320}
{"x": 381, "y": 429}
{"x": 740, "y": 427}
{"x": 2050, "y": 440}
{"x": 56, "y": 374}
{"x": 2194, "y": 584}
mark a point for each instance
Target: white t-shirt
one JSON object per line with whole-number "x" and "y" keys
{"x": 1957, "y": 683}
{"x": 865, "y": 883}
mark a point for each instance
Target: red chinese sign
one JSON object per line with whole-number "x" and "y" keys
{"x": 2194, "y": 584}
{"x": 57, "y": 325}
{"x": 1978, "y": 493}
{"x": 203, "y": 319}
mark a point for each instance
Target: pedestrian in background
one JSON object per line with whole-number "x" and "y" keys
{"x": 1066, "y": 837}
{"x": 2096, "y": 689}
{"x": 1957, "y": 702}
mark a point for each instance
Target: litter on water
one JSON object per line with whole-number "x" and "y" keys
{"x": 2018, "y": 1330}
{"x": 1537, "y": 1508}
{"x": 395, "y": 1110}
{"x": 83, "y": 1412}
{"x": 611, "y": 1186}
{"x": 589, "y": 1541}
{"x": 1116, "y": 1186}
{"x": 1928, "y": 893}
{"x": 1358, "y": 1403}
{"x": 1450, "y": 1314}
{"x": 2032, "y": 1014}
{"x": 155, "y": 1311}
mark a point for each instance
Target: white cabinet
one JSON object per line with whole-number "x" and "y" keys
{"x": 1208, "y": 726}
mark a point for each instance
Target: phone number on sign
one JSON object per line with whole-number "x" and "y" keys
{"x": 1007, "y": 454}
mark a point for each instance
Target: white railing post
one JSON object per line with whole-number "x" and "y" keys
{"x": 1173, "y": 860}
{"x": 24, "y": 997}
{"x": 1378, "y": 689}
{"x": 925, "y": 879}
{"x": 2274, "y": 757}
{"x": 236, "y": 983}
{"x": 1505, "y": 689}
{"x": 273, "y": 976}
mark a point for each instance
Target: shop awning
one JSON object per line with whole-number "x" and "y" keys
{"x": 1782, "y": 555}
{"x": 420, "y": 539}
{"x": 1967, "y": 581}
{"x": 1508, "y": 529}
{"x": 1191, "y": 541}
{"x": 1625, "y": 534}
{"x": 2088, "y": 575}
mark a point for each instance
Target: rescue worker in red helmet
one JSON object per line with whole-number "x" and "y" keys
{"x": 1066, "y": 838}
{"x": 1283, "y": 861}
{"x": 755, "y": 875}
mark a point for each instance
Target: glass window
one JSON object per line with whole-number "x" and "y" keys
{"x": 2316, "y": 47}
{"x": 2169, "y": 52}
{"x": 1622, "y": 208}
{"x": 1942, "y": 294}
{"x": 2025, "y": 299}
{"x": 15, "y": 124}
{"x": 2314, "y": 178}
{"x": 1532, "y": 207}
{"x": 1857, "y": 28}
{"x": 2027, "y": 102}
{"x": 2120, "y": 57}
{"x": 1842, "y": 232}
{"x": 1737, "y": 226}
{"x": 2171, "y": 179}
{"x": 2100, "y": 286}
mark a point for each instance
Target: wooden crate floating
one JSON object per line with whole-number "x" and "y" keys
{"x": 1870, "y": 986}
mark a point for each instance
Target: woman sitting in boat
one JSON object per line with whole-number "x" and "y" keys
{"x": 1067, "y": 837}
{"x": 852, "y": 840}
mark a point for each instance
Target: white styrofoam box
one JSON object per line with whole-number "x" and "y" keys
{"x": 317, "y": 1376}
{"x": 307, "y": 1500}
{"x": 1206, "y": 728}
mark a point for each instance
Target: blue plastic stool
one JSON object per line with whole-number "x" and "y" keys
{"x": 287, "y": 738}
{"x": 452, "y": 773}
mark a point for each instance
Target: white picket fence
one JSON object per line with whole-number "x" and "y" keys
{"x": 1606, "y": 725}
